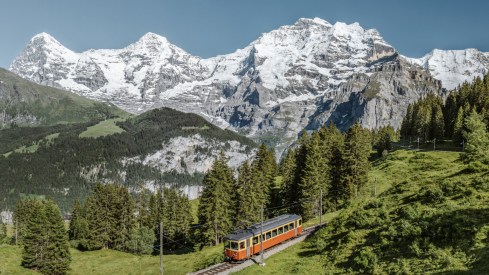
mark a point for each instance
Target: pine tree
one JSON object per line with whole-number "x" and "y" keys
{"x": 34, "y": 239}
{"x": 384, "y": 142}
{"x": 76, "y": 216}
{"x": 126, "y": 220}
{"x": 314, "y": 178}
{"x": 357, "y": 151}
{"x": 57, "y": 254}
{"x": 458, "y": 127}
{"x": 3, "y": 230}
{"x": 477, "y": 137}
{"x": 437, "y": 124}
{"x": 216, "y": 205}
{"x": 335, "y": 149}
{"x": 248, "y": 203}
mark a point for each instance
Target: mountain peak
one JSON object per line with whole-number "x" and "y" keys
{"x": 44, "y": 37}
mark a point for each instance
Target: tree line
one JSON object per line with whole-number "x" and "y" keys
{"x": 430, "y": 117}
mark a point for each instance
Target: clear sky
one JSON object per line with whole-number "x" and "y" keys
{"x": 207, "y": 28}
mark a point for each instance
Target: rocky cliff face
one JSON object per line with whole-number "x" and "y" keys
{"x": 454, "y": 67}
{"x": 295, "y": 77}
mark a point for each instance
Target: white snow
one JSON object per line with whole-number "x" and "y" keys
{"x": 455, "y": 66}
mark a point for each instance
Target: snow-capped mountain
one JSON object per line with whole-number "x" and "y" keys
{"x": 298, "y": 76}
{"x": 454, "y": 67}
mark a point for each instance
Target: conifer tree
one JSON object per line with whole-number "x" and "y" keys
{"x": 357, "y": 149}
{"x": 3, "y": 229}
{"x": 126, "y": 220}
{"x": 314, "y": 178}
{"x": 248, "y": 203}
{"x": 437, "y": 124}
{"x": 289, "y": 189}
{"x": 477, "y": 137}
{"x": 384, "y": 142}
{"x": 34, "y": 240}
{"x": 335, "y": 150}
{"x": 458, "y": 127}
{"x": 76, "y": 216}
{"x": 216, "y": 205}
{"x": 57, "y": 257}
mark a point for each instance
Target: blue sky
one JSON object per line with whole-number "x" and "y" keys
{"x": 207, "y": 28}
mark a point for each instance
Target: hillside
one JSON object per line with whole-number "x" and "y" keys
{"x": 159, "y": 147}
{"x": 430, "y": 217}
{"x": 27, "y": 103}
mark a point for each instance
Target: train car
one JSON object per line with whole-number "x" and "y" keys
{"x": 244, "y": 243}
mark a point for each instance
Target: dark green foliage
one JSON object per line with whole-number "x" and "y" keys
{"x": 217, "y": 203}
{"x": 357, "y": 152}
{"x": 384, "y": 141}
{"x": 139, "y": 239}
{"x": 477, "y": 137}
{"x": 67, "y": 162}
{"x": 45, "y": 241}
{"x": 76, "y": 217}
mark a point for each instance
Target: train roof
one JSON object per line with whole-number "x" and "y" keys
{"x": 255, "y": 229}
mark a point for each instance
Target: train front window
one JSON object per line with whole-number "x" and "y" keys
{"x": 269, "y": 235}
{"x": 234, "y": 246}
{"x": 286, "y": 228}
{"x": 255, "y": 240}
{"x": 227, "y": 244}
{"x": 274, "y": 233}
{"x": 241, "y": 245}
{"x": 291, "y": 226}
{"x": 280, "y": 230}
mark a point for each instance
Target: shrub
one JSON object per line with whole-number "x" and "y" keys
{"x": 360, "y": 219}
{"x": 409, "y": 213}
{"x": 476, "y": 167}
{"x": 320, "y": 245}
{"x": 74, "y": 244}
{"x": 367, "y": 259}
{"x": 434, "y": 195}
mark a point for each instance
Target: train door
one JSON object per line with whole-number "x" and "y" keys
{"x": 295, "y": 228}
{"x": 247, "y": 247}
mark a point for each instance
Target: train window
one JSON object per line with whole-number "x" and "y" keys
{"x": 269, "y": 235}
{"x": 241, "y": 245}
{"x": 263, "y": 237}
{"x": 227, "y": 244}
{"x": 286, "y": 228}
{"x": 300, "y": 222}
{"x": 234, "y": 245}
{"x": 255, "y": 240}
{"x": 274, "y": 233}
{"x": 291, "y": 226}
{"x": 280, "y": 230}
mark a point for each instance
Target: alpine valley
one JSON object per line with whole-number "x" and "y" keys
{"x": 297, "y": 77}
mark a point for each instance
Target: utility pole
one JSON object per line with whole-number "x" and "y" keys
{"x": 161, "y": 247}
{"x": 321, "y": 208}
{"x": 418, "y": 143}
{"x": 463, "y": 145}
{"x": 375, "y": 191}
{"x": 434, "y": 144}
{"x": 16, "y": 226}
{"x": 261, "y": 237}
{"x": 409, "y": 141}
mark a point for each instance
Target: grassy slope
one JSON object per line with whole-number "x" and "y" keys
{"x": 377, "y": 236}
{"x": 104, "y": 128}
{"x": 48, "y": 104}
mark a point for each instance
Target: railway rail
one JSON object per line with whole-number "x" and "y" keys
{"x": 224, "y": 268}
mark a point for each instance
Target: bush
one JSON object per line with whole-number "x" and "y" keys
{"x": 74, "y": 244}
{"x": 320, "y": 245}
{"x": 409, "y": 213}
{"x": 476, "y": 167}
{"x": 360, "y": 219}
{"x": 367, "y": 259}
{"x": 434, "y": 195}
{"x": 211, "y": 260}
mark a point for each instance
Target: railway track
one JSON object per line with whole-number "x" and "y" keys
{"x": 222, "y": 267}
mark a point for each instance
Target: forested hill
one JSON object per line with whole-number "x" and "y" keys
{"x": 27, "y": 103}
{"x": 161, "y": 146}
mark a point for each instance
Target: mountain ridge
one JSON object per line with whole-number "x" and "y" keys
{"x": 286, "y": 80}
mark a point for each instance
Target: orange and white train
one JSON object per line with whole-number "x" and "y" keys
{"x": 244, "y": 243}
